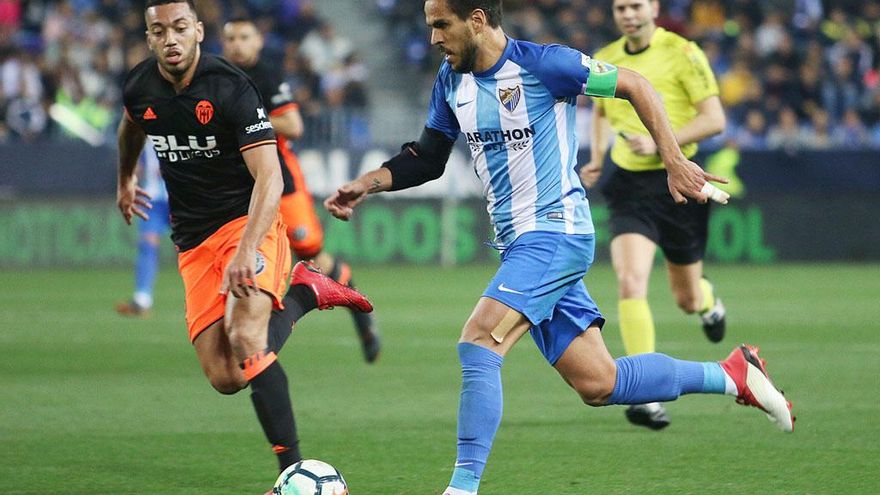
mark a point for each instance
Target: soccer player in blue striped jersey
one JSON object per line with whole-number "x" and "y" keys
{"x": 150, "y": 234}
{"x": 514, "y": 102}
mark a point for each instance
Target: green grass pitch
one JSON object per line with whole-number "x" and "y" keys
{"x": 91, "y": 403}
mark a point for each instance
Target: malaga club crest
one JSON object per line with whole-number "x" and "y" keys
{"x": 510, "y": 97}
{"x": 204, "y": 111}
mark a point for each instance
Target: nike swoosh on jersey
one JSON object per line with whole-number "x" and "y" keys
{"x": 459, "y": 105}
{"x": 502, "y": 288}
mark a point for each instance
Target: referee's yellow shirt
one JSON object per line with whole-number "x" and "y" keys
{"x": 678, "y": 70}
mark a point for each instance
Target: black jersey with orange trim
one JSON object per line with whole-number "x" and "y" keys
{"x": 278, "y": 98}
{"x": 199, "y": 136}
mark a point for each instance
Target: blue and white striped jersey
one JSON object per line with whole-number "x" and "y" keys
{"x": 519, "y": 121}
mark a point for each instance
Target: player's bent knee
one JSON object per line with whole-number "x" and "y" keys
{"x": 226, "y": 384}
{"x": 596, "y": 386}
{"x": 594, "y": 392}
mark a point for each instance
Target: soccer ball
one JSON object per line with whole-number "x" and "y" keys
{"x": 310, "y": 477}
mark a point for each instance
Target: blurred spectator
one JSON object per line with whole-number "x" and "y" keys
{"x": 324, "y": 49}
{"x": 770, "y": 34}
{"x": 707, "y": 18}
{"x": 806, "y": 17}
{"x": 840, "y": 91}
{"x": 734, "y": 85}
{"x": 786, "y": 134}
{"x": 818, "y": 135}
{"x": 857, "y": 51}
{"x": 851, "y": 131}
{"x": 809, "y": 91}
{"x": 753, "y": 135}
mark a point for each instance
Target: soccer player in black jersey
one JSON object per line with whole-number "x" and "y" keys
{"x": 242, "y": 45}
{"x": 217, "y": 154}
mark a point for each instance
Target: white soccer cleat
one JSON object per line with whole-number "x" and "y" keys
{"x": 754, "y": 387}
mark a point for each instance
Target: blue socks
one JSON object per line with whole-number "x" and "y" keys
{"x": 145, "y": 272}
{"x": 479, "y": 413}
{"x": 657, "y": 377}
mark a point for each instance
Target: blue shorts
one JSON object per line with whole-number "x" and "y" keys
{"x": 160, "y": 219}
{"x": 541, "y": 276}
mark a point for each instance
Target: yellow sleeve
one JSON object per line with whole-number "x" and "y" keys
{"x": 697, "y": 77}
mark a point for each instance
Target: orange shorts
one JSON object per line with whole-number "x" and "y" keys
{"x": 202, "y": 270}
{"x": 303, "y": 227}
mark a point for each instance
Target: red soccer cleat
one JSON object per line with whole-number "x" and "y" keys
{"x": 754, "y": 387}
{"x": 328, "y": 292}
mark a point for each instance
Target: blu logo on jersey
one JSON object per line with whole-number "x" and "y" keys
{"x": 168, "y": 148}
{"x": 510, "y": 97}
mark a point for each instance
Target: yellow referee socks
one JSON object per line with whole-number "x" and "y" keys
{"x": 708, "y": 296}
{"x": 636, "y": 326}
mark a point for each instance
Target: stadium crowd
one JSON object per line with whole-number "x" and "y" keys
{"x": 62, "y": 63}
{"x": 793, "y": 74}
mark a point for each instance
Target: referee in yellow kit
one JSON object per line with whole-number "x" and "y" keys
{"x": 643, "y": 214}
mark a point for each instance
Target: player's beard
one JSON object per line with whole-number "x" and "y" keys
{"x": 467, "y": 58}
{"x": 187, "y": 59}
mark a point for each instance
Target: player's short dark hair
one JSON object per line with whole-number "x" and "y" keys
{"x": 153, "y": 3}
{"x": 463, "y": 8}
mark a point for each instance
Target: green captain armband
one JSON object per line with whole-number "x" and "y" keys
{"x": 602, "y": 81}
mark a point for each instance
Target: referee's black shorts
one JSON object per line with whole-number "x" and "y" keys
{"x": 640, "y": 203}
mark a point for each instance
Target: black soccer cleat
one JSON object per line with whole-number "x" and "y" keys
{"x": 652, "y": 415}
{"x": 715, "y": 322}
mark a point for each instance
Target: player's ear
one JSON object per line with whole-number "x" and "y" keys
{"x": 478, "y": 20}
{"x": 200, "y": 31}
{"x": 655, "y": 6}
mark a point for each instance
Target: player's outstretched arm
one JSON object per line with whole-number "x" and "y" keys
{"x": 130, "y": 199}
{"x": 341, "y": 203}
{"x": 418, "y": 162}
{"x": 686, "y": 178}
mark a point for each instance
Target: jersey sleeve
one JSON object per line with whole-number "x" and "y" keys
{"x": 277, "y": 95}
{"x": 249, "y": 117}
{"x": 697, "y": 77}
{"x": 440, "y": 115}
{"x": 567, "y": 72}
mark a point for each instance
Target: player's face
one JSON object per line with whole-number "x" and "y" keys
{"x": 241, "y": 43}
{"x": 174, "y": 34}
{"x": 635, "y": 18}
{"x": 453, "y": 36}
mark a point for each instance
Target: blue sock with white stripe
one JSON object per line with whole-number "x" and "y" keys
{"x": 657, "y": 377}
{"x": 479, "y": 414}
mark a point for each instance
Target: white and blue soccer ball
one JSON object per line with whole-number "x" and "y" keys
{"x": 310, "y": 477}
